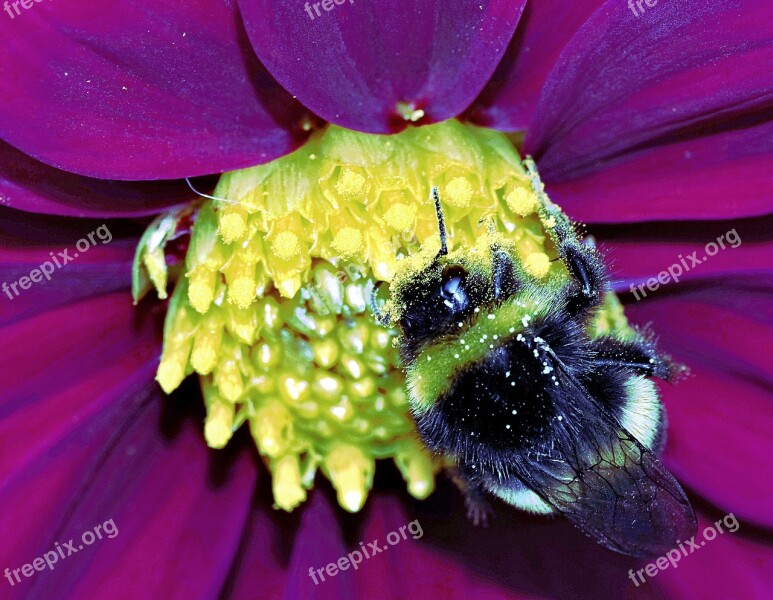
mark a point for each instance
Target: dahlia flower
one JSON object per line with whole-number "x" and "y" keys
{"x": 199, "y": 200}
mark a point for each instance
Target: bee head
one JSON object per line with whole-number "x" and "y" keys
{"x": 436, "y": 290}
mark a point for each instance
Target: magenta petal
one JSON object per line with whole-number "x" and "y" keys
{"x": 33, "y": 242}
{"x": 725, "y": 175}
{"x": 626, "y": 83}
{"x": 185, "y": 508}
{"x": 684, "y": 253}
{"x": 517, "y": 557}
{"x": 84, "y": 438}
{"x": 720, "y": 420}
{"x": 59, "y": 368}
{"x": 356, "y": 61}
{"x": 507, "y": 102}
{"x": 139, "y": 91}
{"x": 731, "y": 565}
{"x": 30, "y": 185}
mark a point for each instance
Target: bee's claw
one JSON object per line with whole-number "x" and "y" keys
{"x": 479, "y": 511}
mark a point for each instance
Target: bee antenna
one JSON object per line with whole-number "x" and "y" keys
{"x": 203, "y": 195}
{"x": 440, "y": 222}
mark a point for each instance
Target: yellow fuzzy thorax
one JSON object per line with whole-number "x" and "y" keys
{"x": 271, "y": 308}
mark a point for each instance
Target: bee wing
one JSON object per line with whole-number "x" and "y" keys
{"x": 602, "y": 479}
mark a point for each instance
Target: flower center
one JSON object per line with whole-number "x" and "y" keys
{"x": 271, "y": 311}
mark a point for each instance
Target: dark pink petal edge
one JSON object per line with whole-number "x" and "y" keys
{"x": 355, "y": 61}
{"x": 508, "y": 100}
{"x": 722, "y": 175}
{"x": 30, "y": 185}
{"x": 159, "y": 90}
{"x": 626, "y": 83}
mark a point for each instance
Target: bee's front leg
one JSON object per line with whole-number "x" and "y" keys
{"x": 478, "y": 508}
{"x": 505, "y": 280}
{"x": 587, "y": 270}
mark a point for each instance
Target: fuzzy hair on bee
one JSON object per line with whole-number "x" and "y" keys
{"x": 505, "y": 379}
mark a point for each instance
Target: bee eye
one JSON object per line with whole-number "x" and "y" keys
{"x": 453, "y": 282}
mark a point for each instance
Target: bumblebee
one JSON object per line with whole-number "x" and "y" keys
{"x": 505, "y": 380}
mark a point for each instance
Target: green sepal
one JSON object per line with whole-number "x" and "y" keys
{"x": 152, "y": 245}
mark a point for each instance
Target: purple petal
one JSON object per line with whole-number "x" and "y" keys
{"x": 719, "y": 418}
{"x": 682, "y": 252}
{"x": 508, "y": 101}
{"x": 627, "y": 83}
{"x": 518, "y": 557}
{"x": 67, "y": 357}
{"x": 725, "y": 175}
{"x": 179, "y": 505}
{"x": 356, "y": 61}
{"x": 34, "y": 242}
{"x": 85, "y": 438}
{"x": 731, "y": 565}
{"x": 30, "y": 185}
{"x": 139, "y": 91}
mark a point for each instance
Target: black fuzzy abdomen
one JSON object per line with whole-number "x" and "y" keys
{"x": 498, "y": 404}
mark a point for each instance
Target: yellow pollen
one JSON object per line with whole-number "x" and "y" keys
{"x": 155, "y": 262}
{"x": 351, "y": 473}
{"x": 203, "y": 359}
{"x": 347, "y": 242}
{"x": 351, "y": 185}
{"x": 286, "y": 245}
{"x": 205, "y": 352}
{"x": 201, "y": 290}
{"x": 232, "y": 227}
{"x": 287, "y": 487}
{"x": 242, "y": 292}
{"x": 537, "y": 264}
{"x": 418, "y": 471}
{"x": 458, "y": 192}
{"x": 218, "y": 427}
{"x": 229, "y": 380}
{"x": 401, "y": 217}
{"x": 170, "y": 374}
{"x": 272, "y": 428}
{"x": 522, "y": 202}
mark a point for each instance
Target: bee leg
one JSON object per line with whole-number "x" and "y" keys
{"x": 589, "y": 278}
{"x": 479, "y": 510}
{"x": 504, "y": 278}
{"x": 638, "y": 355}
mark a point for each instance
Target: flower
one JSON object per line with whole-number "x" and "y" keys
{"x": 608, "y": 104}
